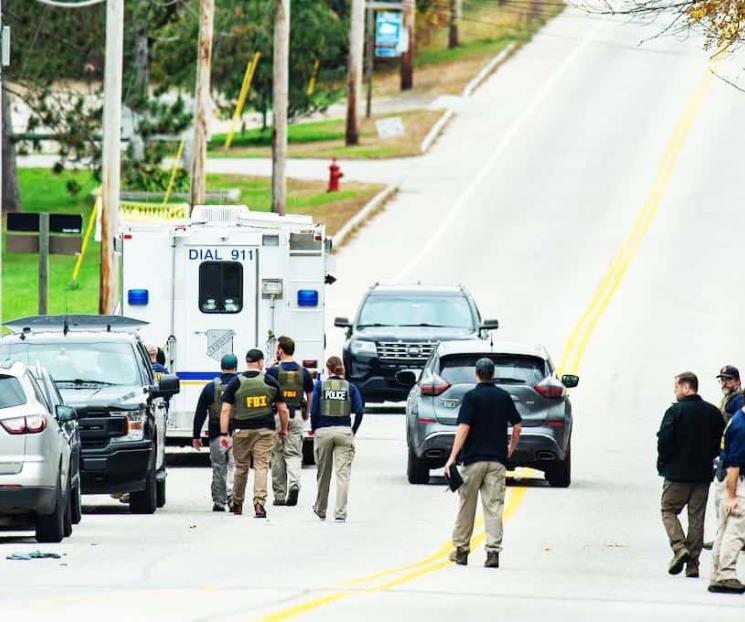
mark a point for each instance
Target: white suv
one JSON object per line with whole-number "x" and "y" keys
{"x": 39, "y": 455}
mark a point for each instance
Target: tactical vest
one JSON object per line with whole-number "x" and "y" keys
{"x": 336, "y": 398}
{"x": 253, "y": 399}
{"x": 215, "y": 408}
{"x": 292, "y": 383}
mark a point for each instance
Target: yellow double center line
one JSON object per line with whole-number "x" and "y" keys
{"x": 570, "y": 361}
{"x": 576, "y": 345}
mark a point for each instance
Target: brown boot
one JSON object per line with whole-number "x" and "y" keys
{"x": 260, "y": 511}
{"x": 728, "y": 586}
{"x": 237, "y": 508}
{"x": 492, "y": 560}
{"x": 459, "y": 556}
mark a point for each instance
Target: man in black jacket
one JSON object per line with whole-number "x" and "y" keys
{"x": 687, "y": 443}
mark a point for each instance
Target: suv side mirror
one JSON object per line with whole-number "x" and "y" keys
{"x": 406, "y": 377}
{"x": 342, "y": 322}
{"x": 489, "y": 324}
{"x": 65, "y": 414}
{"x": 569, "y": 381}
{"x": 168, "y": 386}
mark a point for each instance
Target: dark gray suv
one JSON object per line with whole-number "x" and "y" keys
{"x": 525, "y": 371}
{"x": 398, "y": 326}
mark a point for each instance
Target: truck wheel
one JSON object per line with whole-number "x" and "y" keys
{"x": 309, "y": 456}
{"x": 76, "y": 503}
{"x": 416, "y": 469}
{"x": 145, "y": 501}
{"x": 51, "y": 527}
{"x": 160, "y": 491}
{"x": 560, "y": 475}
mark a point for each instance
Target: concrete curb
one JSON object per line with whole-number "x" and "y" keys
{"x": 482, "y": 75}
{"x": 436, "y": 130}
{"x": 360, "y": 217}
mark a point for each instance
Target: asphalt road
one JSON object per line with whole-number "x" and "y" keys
{"x": 589, "y": 197}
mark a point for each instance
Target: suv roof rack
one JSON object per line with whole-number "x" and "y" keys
{"x": 67, "y": 323}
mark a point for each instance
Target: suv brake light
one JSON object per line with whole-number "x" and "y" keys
{"x": 25, "y": 425}
{"x": 434, "y": 386}
{"x": 550, "y": 387}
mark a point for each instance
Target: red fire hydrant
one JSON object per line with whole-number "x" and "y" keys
{"x": 335, "y": 176}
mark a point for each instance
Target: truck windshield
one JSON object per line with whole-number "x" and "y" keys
{"x": 509, "y": 368}
{"x": 411, "y": 310}
{"x": 91, "y": 362}
{"x": 11, "y": 392}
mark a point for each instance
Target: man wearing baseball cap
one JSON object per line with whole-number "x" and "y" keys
{"x": 733, "y": 400}
{"x": 209, "y": 406}
{"x": 249, "y": 402}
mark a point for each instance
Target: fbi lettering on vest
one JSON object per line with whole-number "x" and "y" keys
{"x": 256, "y": 401}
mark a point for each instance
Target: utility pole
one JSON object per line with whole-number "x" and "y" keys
{"x": 370, "y": 59}
{"x": 354, "y": 70}
{"x": 111, "y": 154}
{"x": 407, "y": 59}
{"x": 456, "y": 6}
{"x": 280, "y": 105}
{"x": 202, "y": 101}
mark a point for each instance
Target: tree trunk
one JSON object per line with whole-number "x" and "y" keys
{"x": 407, "y": 59}
{"x": 354, "y": 70}
{"x": 280, "y": 100}
{"x": 10, "y": 191}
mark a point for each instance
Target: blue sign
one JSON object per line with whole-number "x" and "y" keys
{"x": 388, "y": 29}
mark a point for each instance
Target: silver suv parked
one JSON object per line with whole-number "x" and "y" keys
{"x": 39, "y": 455}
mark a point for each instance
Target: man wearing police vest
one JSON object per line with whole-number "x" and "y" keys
{"x": 250, "y": 402}
{"x": 209, "y": 407}
{"x": 334, "y": 400}
{"x": 287, "y": 458}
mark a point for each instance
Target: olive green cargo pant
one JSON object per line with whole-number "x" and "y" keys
{"x": 287, "y": 459}
{"x": 247, "y": 444}
{"x": 730, "y": 538}
{"x": 675, "y": 497}
{"x": 333, "y": 446}
{"x": 487, "y": 478}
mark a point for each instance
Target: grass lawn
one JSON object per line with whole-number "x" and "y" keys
{"x": 325, "y": 139}
{"x": 41, "y": 190}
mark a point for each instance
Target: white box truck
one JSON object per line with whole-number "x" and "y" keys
{"x": 226, "y": 280}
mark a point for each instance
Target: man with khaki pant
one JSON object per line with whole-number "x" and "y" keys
{"x": 481, "y": 440}
{"x": 250, "y": 401}
{"x": 687, "y": 443}
{"x": 333, "y": 402}
{"x": 731, "y": 533}
{"x": 287, "y": 458}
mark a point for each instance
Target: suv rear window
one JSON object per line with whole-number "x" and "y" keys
{"x": 509, "y": 368}
{"x": 412, "y": 310}
{"x": 11, "y": 392}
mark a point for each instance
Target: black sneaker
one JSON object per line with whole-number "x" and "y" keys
{"x": 293, "y": 495}
{"x": 318, "y": 514}
{"x": 492, "y": 560}
{"x": 692, "y": 572}
{"x": 279, "y": 502}
{"x": 728, "y": 586}
{"x": 459, "y": 556}
{"x": 678, "y": 562}
{"x": 218, "y": 507}
{"x": 340, "y": 519}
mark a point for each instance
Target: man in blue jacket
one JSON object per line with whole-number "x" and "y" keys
{"x": 210, "y": 405}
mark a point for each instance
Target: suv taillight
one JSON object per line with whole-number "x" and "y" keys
{"x": 25, "y": 425}
{"x": 550, "y": 387}
{"x": 434, "y": 386}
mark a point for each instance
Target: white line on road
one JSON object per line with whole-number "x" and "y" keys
{"x": 501, "y": 147}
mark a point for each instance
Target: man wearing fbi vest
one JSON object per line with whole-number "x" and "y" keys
{"x": 250, "y": 400}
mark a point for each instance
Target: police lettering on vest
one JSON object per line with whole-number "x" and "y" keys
{"x": 253, "y": 399}
{"x": 336, "y": 399}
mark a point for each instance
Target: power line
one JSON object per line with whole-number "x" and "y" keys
{"x": 80, "y": 4}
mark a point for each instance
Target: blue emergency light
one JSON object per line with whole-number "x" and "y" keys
{"x": 138, "y": 297}
{"x": 307, "y": 298}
